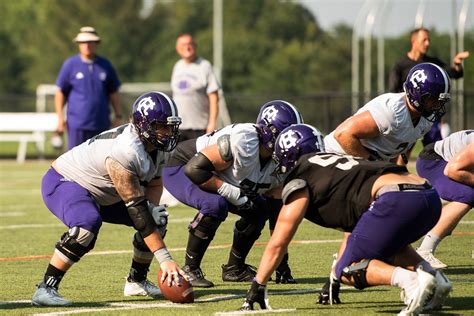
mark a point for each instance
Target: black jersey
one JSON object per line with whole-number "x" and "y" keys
{"x": 339, "y": 187}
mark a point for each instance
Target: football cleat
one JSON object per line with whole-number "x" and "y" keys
{"x": 48, "y": 296}
{"x": 443, "y": 288}
{"x": 330, "y": 292}
{"x": 428, "y": 256}
{"x": 143, "y": 288}
{"x": 418, "y": 299}
{"x": 196, "y": 277}
{"x": 283, "y": 276}
{"x": 238, "y": 273}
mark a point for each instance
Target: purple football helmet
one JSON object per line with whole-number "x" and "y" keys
{"x": 155, "y": 116}
{"x": 293, "y": 142}
{"x": 427, "y": 87}
{"x": 274, "y": 117}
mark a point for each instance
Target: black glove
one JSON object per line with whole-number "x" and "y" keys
{"x": 256, "y": 294}
{"x": 324, "y": 294}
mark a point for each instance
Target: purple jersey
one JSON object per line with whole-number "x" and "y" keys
{"x": 87, "y": 86}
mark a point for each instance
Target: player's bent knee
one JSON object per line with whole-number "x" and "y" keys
{"x": 247, "y": 228}
{"x": 75, "y": 243}
{"x": 204, "y": 227}
{"x": 358, "y": 272}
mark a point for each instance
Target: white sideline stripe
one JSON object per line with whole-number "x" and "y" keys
{"x": 117, "y": 306}
{"x": 261, "y": 311}
{"x": 177, "y": 220}
{"x": 12, "y": 214}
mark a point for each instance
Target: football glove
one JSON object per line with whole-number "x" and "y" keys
{"x": 256, "y": 294}
{"x": 160, "y": 215}
{"x": 325, "y": 294}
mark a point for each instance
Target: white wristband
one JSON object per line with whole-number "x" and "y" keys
{"x": 162, "y": 255}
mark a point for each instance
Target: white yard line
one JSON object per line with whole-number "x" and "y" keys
{"x": 115, "y": 307}
{"x": 12, "y": 214}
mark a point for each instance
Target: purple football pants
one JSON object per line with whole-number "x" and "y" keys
{"x": 183, "y": 189}
{"x": 393, "y": 221}
{"x": 448, "y": 189}
{"x": 75, "y": 206}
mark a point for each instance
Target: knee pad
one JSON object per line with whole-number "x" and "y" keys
{"x": 358, "y": 271}
{"x": 249, "y": 227}
{"x": 204, "y": 227}
{"x": 75, "y": 243}
{"x": 140, "y": 249}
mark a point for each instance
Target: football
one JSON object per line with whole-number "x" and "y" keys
{"x": 175, "y": 293}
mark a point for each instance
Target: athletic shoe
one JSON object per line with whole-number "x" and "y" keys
{"x": 443, "y": 288}
{"x": 238, "y": 273}
{"x": 284, "y": 276}
{"x": 196, "y": 277}
{"x": 48, "y": 296}
{"x": 432, "y": 260}
{"x": 143, "y": 288}
{"x": 419, "y": 297}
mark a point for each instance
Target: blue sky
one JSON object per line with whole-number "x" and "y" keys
{"x": 400, "y": 15}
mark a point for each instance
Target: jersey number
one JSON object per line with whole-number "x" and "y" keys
{"x": 343, "y": 162}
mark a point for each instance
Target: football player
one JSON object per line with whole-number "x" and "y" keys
{"x": 449, "y": 165}
{"x": 385, "y": 207}
{"x": 114, "y": 177}
{"x": 227, "y": 171}
{"x": 390, "y": 124}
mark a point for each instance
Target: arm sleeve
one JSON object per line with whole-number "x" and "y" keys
{"x": 394, "y": 79}
{"x": 63, "y": 78}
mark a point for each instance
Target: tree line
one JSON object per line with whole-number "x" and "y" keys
{"x": 270, "y": 47}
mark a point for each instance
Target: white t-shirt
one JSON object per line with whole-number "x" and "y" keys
{"x": 191, "y": 83}
{"x": 85, "y": 164}
{"x": 453, "y": 144}
{"x": 397, "y": 133}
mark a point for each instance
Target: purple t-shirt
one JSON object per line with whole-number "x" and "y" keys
{"x": 87, "y": 87}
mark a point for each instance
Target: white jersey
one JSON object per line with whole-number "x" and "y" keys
{"x": 397, "y": 133}
{"x": 246, "y": 170}
{"x": 85, "y": 164}
{"x": 191, "y": 83}
{"x": 450, "y": 146}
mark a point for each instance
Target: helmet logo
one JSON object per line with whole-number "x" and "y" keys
{"x": 418, "y": 76}
{"x": 288, "y": 139}
{"x": 270, "y": 113}
{"x": 146, "y": 104}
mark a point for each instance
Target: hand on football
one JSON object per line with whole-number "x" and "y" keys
{"x": 172, "y": 272}
{"x": 256, "y": 294}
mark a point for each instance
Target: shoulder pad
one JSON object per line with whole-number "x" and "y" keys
{"x": 292, "y": 186}
{"x": 223, "y": 144}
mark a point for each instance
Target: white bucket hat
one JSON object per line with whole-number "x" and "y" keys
{"x": 87, "y": 34}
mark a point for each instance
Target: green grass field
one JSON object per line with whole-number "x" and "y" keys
{"x": 28, "y": 233}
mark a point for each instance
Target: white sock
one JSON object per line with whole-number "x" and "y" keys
{"x": 429, "y": 243}
{"x": 404, "y": 279}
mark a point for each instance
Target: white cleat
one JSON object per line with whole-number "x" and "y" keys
{"x": 428, "y": 256}
{"x": 419, "y": 297}
{"x": 441, "y": 293}
{"x": 48, "y": 296}
{"x": 143, "y": 288}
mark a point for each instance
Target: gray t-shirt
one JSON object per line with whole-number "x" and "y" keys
{"x": 453, "y": 144}
{"x": 397, "y": 133}
{"x": 191, "y": 83}
{"x": 85, "y": 164}
{"x": 246, "y": 170}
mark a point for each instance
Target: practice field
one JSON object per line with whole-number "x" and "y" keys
{"x": 28, "y": 233}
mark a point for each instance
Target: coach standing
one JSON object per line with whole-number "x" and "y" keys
{"x": 87, "y": 83}
{"x": 195, "y": 90}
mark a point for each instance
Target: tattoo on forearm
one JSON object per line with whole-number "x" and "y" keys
{"x": 126, "y": 183}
